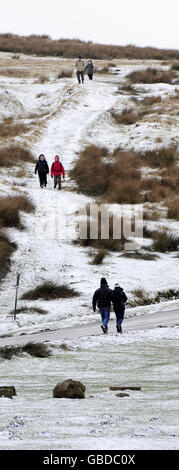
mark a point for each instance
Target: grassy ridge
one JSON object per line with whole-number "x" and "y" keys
{"x": 44, "y": 45}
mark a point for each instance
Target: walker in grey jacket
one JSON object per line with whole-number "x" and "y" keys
{"x": 89, "y": 69}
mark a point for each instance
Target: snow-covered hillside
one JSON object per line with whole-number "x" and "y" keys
{"x": 63, "y": 117}
{"x": 72, "y": 116}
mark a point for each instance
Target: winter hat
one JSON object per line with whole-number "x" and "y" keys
{"x": 117, "y": 285}
{"x": 103, "y": 282}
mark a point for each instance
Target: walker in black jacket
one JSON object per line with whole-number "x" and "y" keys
{"x": 102, "y": 297}
{"x": 119, "y": 299}
{"x": 43, "y": 170}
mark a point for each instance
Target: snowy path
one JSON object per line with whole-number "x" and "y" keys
{"x": 166, "y": 318}
{"x": 79, "y": 115}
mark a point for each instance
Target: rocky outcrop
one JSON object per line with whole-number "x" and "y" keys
{"x": 7, "y": 391}
{"x": 69, "y": 389}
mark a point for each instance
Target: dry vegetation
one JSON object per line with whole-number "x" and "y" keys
{"x": 34, "y": 349}
{"x": 152, "y": 75}
{"x": 50, "y": 291}
{"x": 14, "y": 155}
{"x": 6, "y": 250}
{"x": 117, "y": 178}
{"x": 10, "y": 208}
{"x": 128, "y": 116}
{"x": 10, "y": 129}
{"x": 144, "y": 298}
{"x": 44, "y": 45}
{"x": 10, "y": 217}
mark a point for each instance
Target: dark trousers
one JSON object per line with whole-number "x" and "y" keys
{"x": 43, "y": 178}
{"x": 119, "y": 316}
{"x": 80, "y": 76}
{"x": 57, "y": 181}
{"x": 90, "y": 75}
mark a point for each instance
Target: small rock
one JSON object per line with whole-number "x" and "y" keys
{"x": 69, "y": 389}
{"x": 122, "y": 395}
{"x": 7, "y": 391}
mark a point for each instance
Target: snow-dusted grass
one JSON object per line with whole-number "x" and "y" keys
{"x": 146, "y": 419}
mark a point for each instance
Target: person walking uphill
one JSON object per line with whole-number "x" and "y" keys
{"x": 119, "y": 299}
{"x": 43, "y": 170}
{"x": 102, "y": 297}
{"x": 89, "y": 69}
{"x": 80, "y": 65}
{"x": 57, "y": 170}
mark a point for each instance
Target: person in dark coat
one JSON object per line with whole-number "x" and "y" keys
{"x": 119, "y": 299}
{"x": 102, "y": 297}
{"x": 43, "y": 170}
{"x": 89, "y": 69}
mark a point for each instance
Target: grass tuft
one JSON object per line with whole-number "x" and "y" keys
{"x": 50, "y": 291}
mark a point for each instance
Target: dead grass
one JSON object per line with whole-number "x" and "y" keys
{"x": 44, "y": 45}
{"x": 141, "y": 255}
{"x": 50, "y": 291}
{"x": 127, "y": 117}
{"x": 165, "y": 241}
{"x": 117, "y": 181}
{"x": 99, "y": 257}
{"x": 173, "y": 209}
{"x": 117, "y": 177}
{"x": 152, "y": 75}
{"x": 144, "y": 298}
{"x": 9, "y": 129}
{"x": 6, "y": 250}
{"x": 159, "y": 158}
{"x": 65, "y": 73}
{"x": 14, "y": 155}
{"x": 29, "y": 310}
{"x": 175, "y": 66}
{"x": 34, "y": 349}
{"x": 10, "y": 208}
{"x": 151, "y": 100}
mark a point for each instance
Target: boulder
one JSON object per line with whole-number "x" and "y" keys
{"x": 7, "y": 391}
{"x": 69, "y": 389}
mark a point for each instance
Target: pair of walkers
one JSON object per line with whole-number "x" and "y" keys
{"x": 81, "y": 69}
{"x": 103, "y": 298}
{"x": 57, "y": 170}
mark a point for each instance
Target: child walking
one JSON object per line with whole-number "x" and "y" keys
{"x": 57, "y": 170}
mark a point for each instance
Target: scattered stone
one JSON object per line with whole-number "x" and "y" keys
{"x": 126, "y": 387}
{"x": 122, "y": 395}
{"x": 8, "y": 391}
{"x": 69, "y": 389}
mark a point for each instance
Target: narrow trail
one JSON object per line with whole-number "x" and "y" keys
{"x": 168, "y": 318}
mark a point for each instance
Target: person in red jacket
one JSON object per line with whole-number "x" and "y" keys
{"x": 57, "y": 170}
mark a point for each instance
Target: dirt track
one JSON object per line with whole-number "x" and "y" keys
{"x": 162, "y": 318}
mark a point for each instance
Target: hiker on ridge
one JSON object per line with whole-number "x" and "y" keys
{"x": 102, "y": 297}
{"x": 80, "y": 65}
{"x": 119, "y": 299}
{"x": 57, "y": 170}
{"x": 43, "y": 170}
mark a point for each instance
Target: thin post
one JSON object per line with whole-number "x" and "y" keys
{"x": 17, "y": 286}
